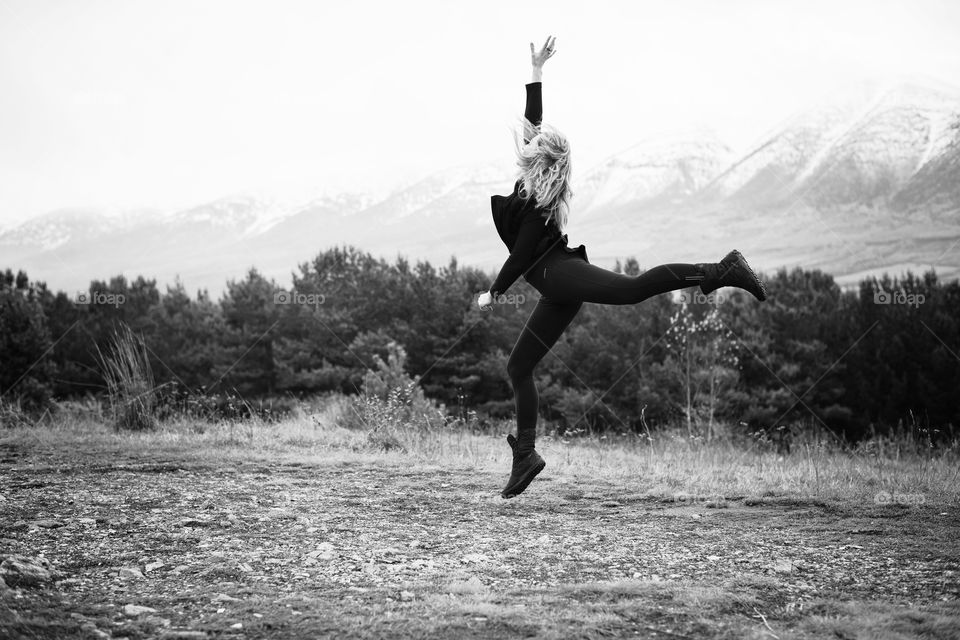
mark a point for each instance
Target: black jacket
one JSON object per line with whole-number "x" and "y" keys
{"x": 522, "y": 224}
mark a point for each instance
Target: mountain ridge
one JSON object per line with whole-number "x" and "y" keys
{"x": 852, "y": 186}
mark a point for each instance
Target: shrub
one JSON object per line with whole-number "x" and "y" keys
{"x": 390, "y": 404}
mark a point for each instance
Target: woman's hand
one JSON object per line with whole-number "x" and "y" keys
{"x": 537, "y": 58}
{"x": 485, "y": 300}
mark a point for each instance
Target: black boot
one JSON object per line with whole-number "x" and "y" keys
{"x": 525, "y": 469}
{"x": 732, "y": 271}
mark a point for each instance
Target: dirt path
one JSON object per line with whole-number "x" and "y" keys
{"x": 360, "y": 549}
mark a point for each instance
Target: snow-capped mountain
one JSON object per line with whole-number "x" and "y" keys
{"x": 857, "y": 150}
{"x": 852, "y": 186}
{"x": 883, "y": 150}
{"x": 57, "y": 228}
{"x": 655, "y": 172}
{"x": 936, "y": 184}
{"x": 862, "y": 183}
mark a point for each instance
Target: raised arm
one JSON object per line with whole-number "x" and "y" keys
{"x": 534, "y": 109}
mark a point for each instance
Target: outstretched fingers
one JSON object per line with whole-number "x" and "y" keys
{"x": 548, "y": 45}
{"x": 546, "y": 52}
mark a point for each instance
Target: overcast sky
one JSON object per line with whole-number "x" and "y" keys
{"x": 169, "y": 103}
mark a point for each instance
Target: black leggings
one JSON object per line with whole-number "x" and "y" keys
{"x": 565, "y": 281}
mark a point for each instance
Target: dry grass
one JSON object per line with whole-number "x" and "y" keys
{"x": 671, "y": 466}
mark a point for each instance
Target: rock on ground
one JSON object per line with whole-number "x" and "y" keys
{"x": 134, "y": 610}
{"x": 22, "y": 571}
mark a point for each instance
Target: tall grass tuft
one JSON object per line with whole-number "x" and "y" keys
{"x": 130, "y": 384}
{"x": 12, "y": 414}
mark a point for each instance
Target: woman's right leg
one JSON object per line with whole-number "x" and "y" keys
{"x": 543, "y": 328}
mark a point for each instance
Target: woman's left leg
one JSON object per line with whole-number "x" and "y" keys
{"x": 576, "y": 279}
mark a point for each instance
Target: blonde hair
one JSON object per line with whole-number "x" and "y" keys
{"x": 544, "y": 172}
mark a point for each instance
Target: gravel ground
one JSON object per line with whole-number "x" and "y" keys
{"x": 143, "y": 547}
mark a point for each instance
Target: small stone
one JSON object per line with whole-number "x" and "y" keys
{"x": 475, "y": 558}
{"x": 238, "y": 625}
{"x": 91, "y": 629}
{"x": 19, "y": 525}
{"x": 194, "y": 522}
{"x": 324, "y": 551}
{"x": 134, "y": 610}
{"x": 782, "y": 566}
{"x": 406, "y": 596}
{"x": 471, "y": 585}
{"x": 222, "y": 597}
{"x": 129, "y": 573}
{"x": 49, "y": 523}
{"x": 22, "y": 571}
{"x": 152, "y": 566}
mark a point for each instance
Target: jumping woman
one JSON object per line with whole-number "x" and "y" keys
{"x": 530, "y": 221}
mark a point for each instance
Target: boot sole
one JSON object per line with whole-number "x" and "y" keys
{"x": 524, "y": 481}
{"x": 743, "y": 264}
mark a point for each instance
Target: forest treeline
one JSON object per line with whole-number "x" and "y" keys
{"x": 880, "y": 358}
